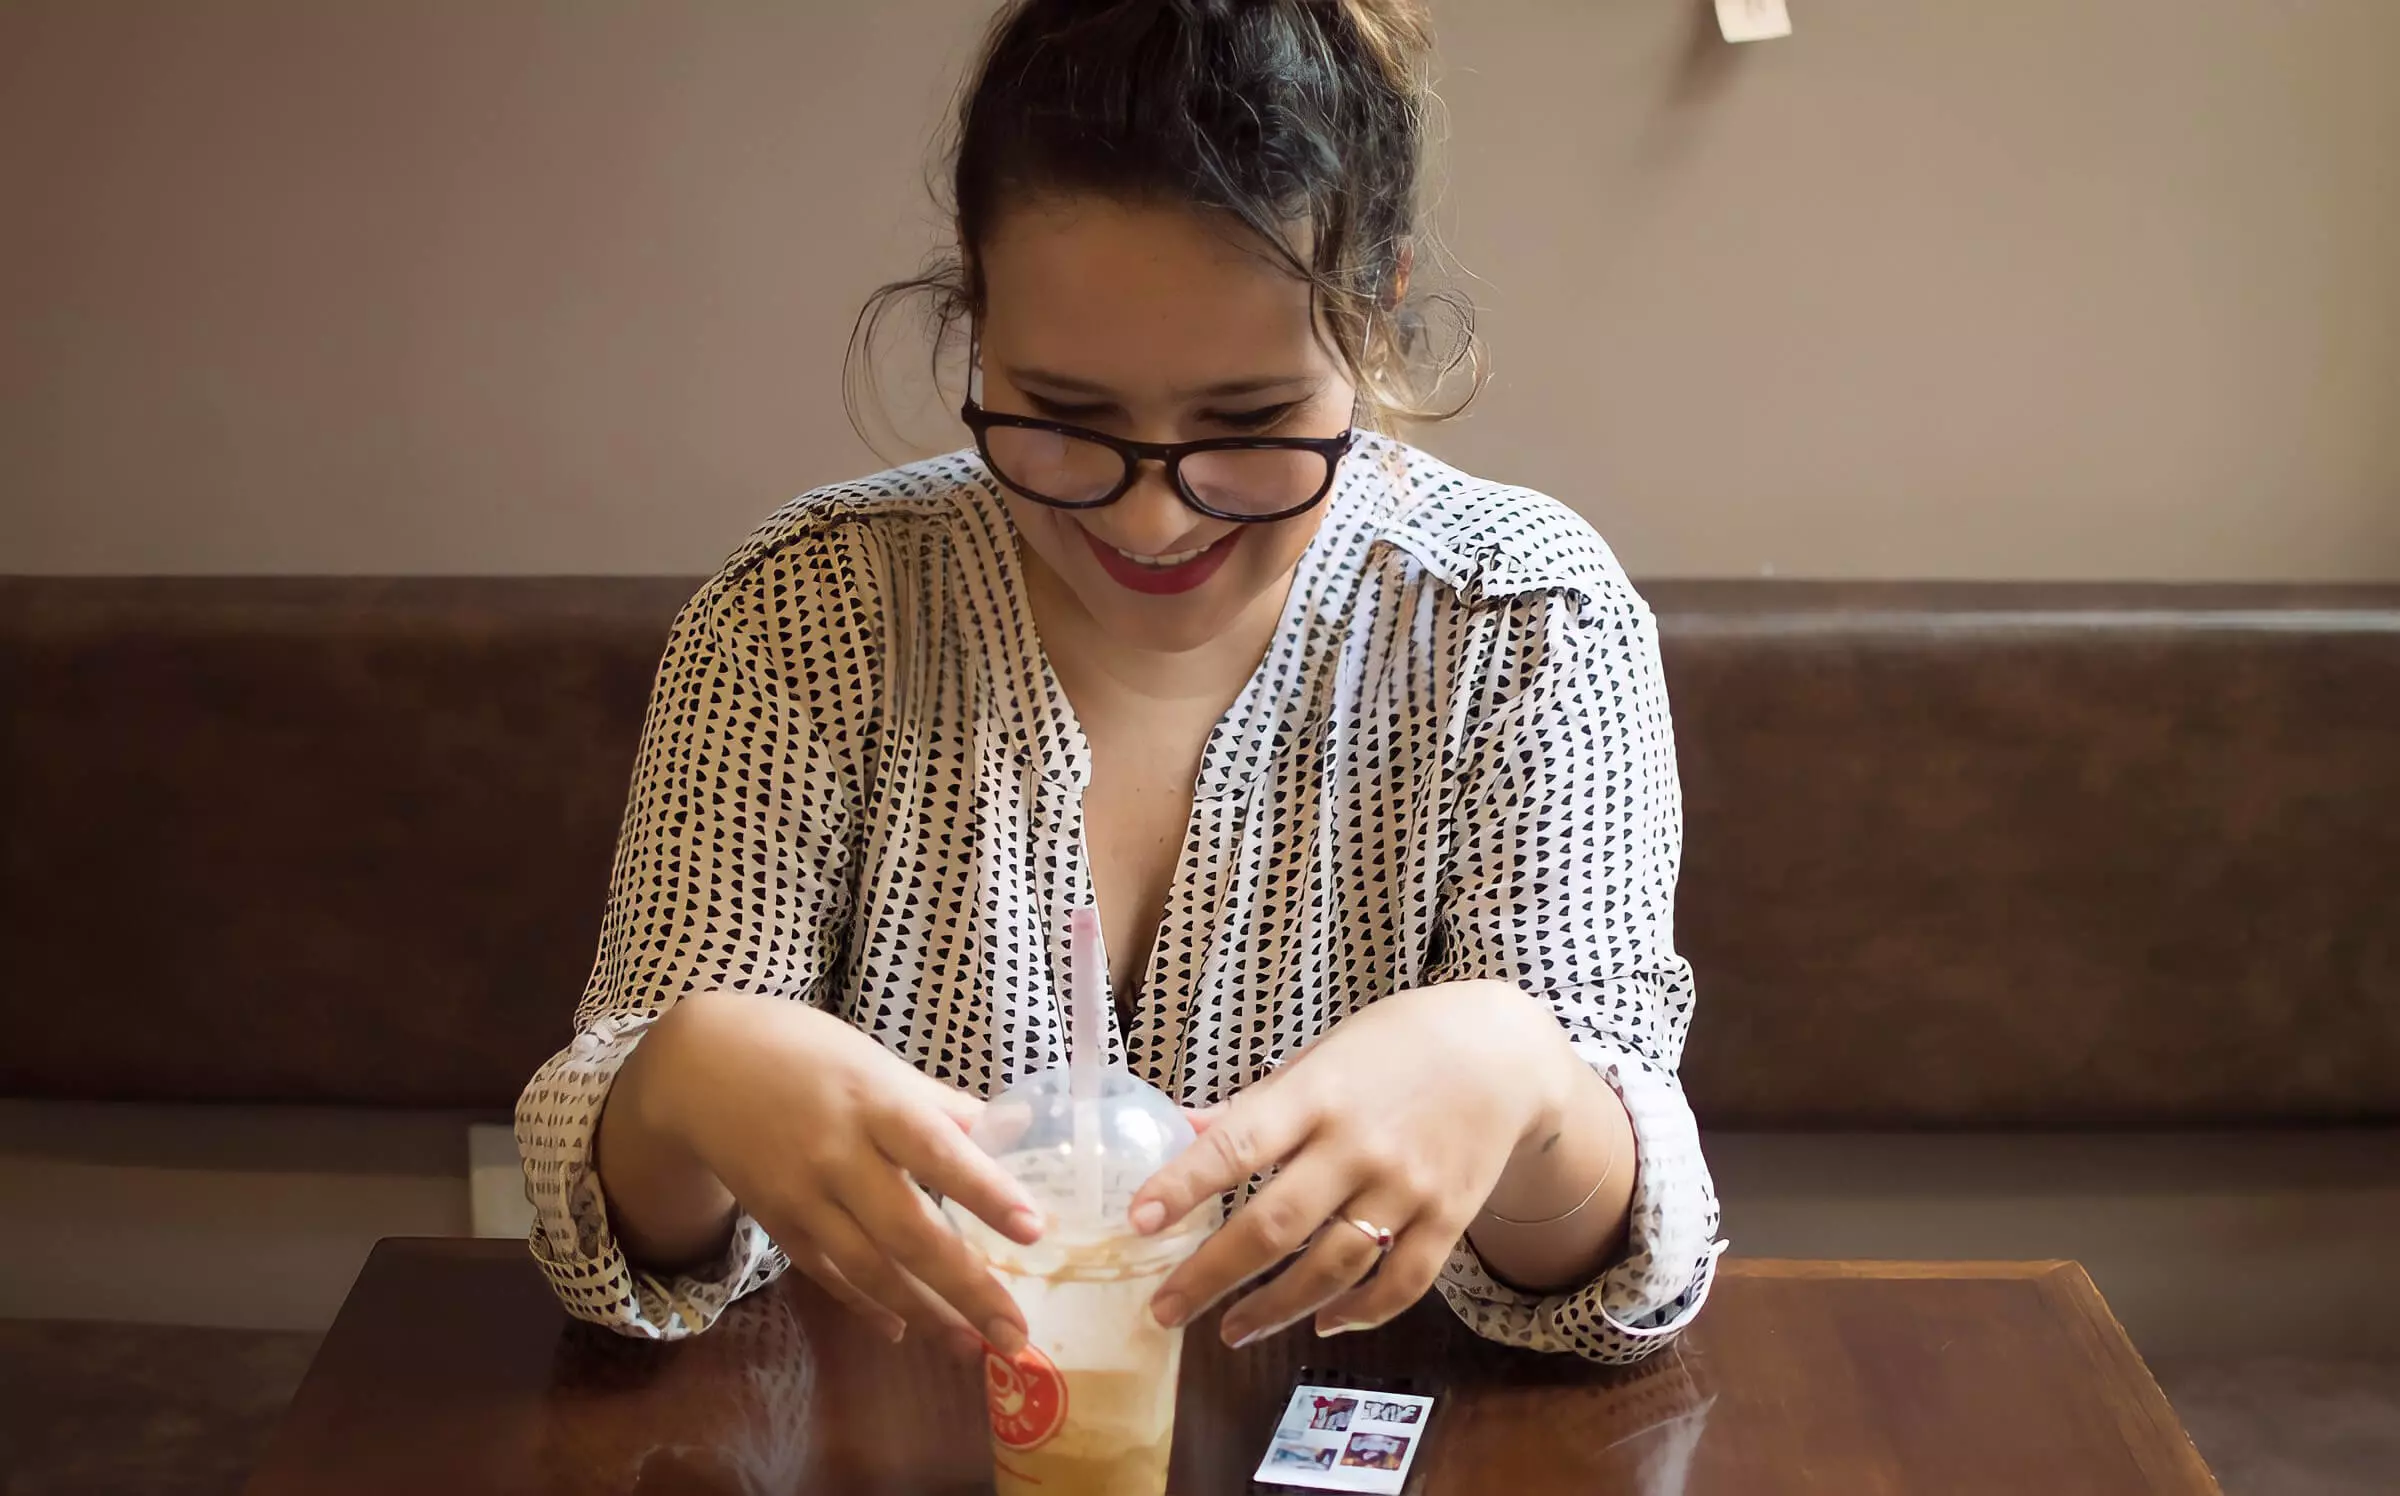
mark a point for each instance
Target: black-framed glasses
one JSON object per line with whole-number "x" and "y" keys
{"x": 1246, "y": 479}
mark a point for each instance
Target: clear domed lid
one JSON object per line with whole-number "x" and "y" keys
{"x": 1085, "y": 1136}
{"x": 1082, "y": 1159}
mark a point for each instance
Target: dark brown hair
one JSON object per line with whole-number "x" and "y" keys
{"x": 1302, "y": 120}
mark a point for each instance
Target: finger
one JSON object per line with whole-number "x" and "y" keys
{"x": 1342, "y": 1256}
{"x": 999, "y": 1125}
{"x": 1203, "y": 1118}
{"x": 904, "y": 1227}
{"x": 1257, "y": 1130}
{"x": 1002, "y": 1125}
{"x": 870, "y": 1270}
{"x": 1409, "y": 1271}
{"x": 961, "y": 1107}
{"x": 923, "y": 1141}
{"x": 819, "y": 1268}
{"x": 1278, "y": 1221}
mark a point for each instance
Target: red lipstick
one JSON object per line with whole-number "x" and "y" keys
{"x": 1160, "y": 581}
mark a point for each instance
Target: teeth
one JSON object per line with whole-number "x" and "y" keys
{"x": 1161, "y": 563}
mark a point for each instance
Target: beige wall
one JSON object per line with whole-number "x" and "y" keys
{"x": 2042, "y": 288}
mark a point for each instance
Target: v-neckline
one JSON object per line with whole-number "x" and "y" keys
{"x": 1052, "y": 736}
{"x": 1239, "y": 746}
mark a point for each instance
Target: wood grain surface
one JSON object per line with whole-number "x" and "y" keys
{"x": 451, "y": 1371}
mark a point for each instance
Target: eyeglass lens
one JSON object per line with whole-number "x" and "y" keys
{"x": 1233, "y": 480}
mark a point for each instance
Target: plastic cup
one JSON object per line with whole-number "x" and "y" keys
{"x": 1088, "y": 1408}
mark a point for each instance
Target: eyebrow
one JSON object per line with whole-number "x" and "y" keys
{"x": 1227, "y": 389}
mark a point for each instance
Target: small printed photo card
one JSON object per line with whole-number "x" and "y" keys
{"x": 1344, "y": 1439}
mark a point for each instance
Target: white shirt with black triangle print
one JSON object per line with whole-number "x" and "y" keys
{"x": 860, "y": 786}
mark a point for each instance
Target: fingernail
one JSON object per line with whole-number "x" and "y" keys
{"x": 1327, "y": 1332}
{"x": 1247, "y": 1338}
{"x": 894, "y": 1330}
{"x": 1004, "y": 1336}
{"x": 1168, "y": 1309}
{"x": 1148, "y": 1216}
{"x": 1025, "y": 1224}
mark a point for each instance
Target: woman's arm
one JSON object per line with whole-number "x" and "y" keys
{"x": 670, "y": 1210}
{"x": 732, "y": 792}
{"x": 701, "y": 1073}
{"x": 1423, "y": 1113}
{"x": 1558, "y": 1214}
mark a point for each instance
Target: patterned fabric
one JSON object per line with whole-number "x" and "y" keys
{"x": 861, "y": 786}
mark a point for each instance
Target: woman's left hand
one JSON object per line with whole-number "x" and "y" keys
{"x": 1402, "y": 1118}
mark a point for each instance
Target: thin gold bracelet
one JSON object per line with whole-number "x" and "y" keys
{"x": 1593, "y": 1194}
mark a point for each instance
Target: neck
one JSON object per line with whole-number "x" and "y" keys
{"x": 1099, "y": 671}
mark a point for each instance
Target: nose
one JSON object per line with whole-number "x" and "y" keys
{"x": 1151, "y": 518}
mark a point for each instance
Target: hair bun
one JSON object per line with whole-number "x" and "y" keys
{"x": 1398, "y": 33}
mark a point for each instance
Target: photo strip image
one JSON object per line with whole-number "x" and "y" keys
{"x": 1375, "y": 1451}
{"x": 1301, "y": 1456}
{"x": 1342, "y": 1439}
{"x": 1390, "y": 1412}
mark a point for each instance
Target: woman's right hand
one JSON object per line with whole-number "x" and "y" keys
{"x": 817, "y": 1131}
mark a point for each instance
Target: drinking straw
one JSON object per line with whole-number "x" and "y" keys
{"x": 1087, "y": 1052}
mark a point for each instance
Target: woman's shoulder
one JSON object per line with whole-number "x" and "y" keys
{"x": 913, "y": 511}
{"x": 1520, "y": 589}
{"x": 847, "y": 546}
{"x": 1490, "y": 544}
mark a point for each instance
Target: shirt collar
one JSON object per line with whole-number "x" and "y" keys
{"x": 1281, "y": 696}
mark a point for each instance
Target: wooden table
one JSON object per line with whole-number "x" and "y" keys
{"x": 451, "y": 1371}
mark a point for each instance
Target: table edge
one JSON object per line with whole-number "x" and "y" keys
{"x": 2149, "y": 1419}
{"x": 495, "y": 1248}
{"x": 1870, "y": 1267}
{"x": 2149, "y": 1422}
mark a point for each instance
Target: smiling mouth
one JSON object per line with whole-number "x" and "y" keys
{"x": 1164, "y": 574}
{"x": 1166, "y": 562}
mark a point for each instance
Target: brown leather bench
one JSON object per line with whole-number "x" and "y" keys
{"x": 1958, "y": 856}
{"x": 1971, "y": 856}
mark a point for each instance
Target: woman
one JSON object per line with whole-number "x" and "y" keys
{"x": 1366, "y": 763}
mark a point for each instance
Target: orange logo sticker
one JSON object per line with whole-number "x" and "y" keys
{"x": 1028, "y": 1398}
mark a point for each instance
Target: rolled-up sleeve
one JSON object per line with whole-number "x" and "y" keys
{"x": 731, "y": 873}
{"x": 1562, "y": 880}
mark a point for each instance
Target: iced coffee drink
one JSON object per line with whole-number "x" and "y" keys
{"x": 1088, "y": 1409}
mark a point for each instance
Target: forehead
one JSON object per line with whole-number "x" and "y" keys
{"x": 1141, "y": 297}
